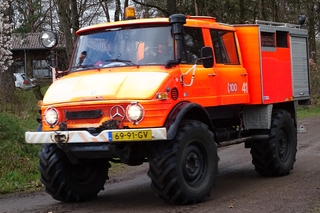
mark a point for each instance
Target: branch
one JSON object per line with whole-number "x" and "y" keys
{"x": 154, "y": 6}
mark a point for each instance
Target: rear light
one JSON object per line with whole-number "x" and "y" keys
{"x": 25, "y": 82}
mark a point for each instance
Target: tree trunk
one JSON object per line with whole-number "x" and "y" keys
{"x": 74, "y": 18}
{"x": 7, "y": 89}
{"x": 172, "y": 6}
{"x": 312, "y": 31}
{"x": 117, "y": 13}
{"x": 64, "y": 17}
{"x": 242, "y": 11}
{"x": 105, "y": 8}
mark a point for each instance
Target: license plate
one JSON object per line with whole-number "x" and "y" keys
{"x": 135, "y": 135}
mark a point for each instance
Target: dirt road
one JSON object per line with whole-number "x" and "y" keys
{"x": 238, "y": 188}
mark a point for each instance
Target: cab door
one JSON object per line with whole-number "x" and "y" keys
{"x": 199, "y": 83}
{"x": 231, "y": 77}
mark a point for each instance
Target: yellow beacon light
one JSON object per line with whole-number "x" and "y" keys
{"x": 130, "y": 13}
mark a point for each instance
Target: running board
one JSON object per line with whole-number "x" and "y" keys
{"x": 241, "y": 140}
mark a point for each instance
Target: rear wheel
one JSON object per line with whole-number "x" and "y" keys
{"x": 276, "y": 156}
{"x": 184, "y": 171}
{"x": 71, "y": 182}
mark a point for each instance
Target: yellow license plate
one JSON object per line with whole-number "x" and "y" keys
{"x": 134, "y": 135}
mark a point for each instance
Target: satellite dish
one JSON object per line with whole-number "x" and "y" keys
{"x": 301, "y": 19}
{"x": 49, "y": 39}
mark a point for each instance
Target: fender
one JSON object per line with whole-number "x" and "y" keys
{"x": 185, "y": 110}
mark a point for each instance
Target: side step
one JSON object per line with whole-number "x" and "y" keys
{"x": 241, "y": 140}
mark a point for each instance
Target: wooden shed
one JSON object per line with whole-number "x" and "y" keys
{"x": 32, "y": 58}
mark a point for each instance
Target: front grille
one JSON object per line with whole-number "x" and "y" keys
{"x": 83, "y": 114}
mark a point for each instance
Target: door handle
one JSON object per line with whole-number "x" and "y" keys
{"x": 213, "y": 74}
{"x": 244, "y": 74}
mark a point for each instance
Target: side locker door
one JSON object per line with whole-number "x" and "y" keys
{"x": 300, "y": 67}
{"x": 232, "y": 78}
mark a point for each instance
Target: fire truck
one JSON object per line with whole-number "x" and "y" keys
{"x": 169, "y": 92}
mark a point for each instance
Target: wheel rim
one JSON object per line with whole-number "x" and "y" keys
{"x": 82, "y": 173}
{"x": 194, "y": 164}
{"x": 283, "y": 145}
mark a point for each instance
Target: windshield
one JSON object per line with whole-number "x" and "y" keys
{"x": 123, "y": 47}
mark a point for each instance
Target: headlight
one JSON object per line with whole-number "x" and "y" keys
{"x": 135, "y": 113}
{"x": 51, "y": 116}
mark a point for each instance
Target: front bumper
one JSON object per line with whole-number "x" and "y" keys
{"x": 116, "y": 135}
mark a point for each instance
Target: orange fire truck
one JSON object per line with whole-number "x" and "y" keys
{"x": 170, "y": 91}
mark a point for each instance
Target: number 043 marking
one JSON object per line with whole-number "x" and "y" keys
{"x": 245, "y": 87}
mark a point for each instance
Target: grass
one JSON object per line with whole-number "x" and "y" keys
{"x": 18, "y": 160}
{"x": 308, "y": 111}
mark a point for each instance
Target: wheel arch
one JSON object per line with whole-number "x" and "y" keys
{"x": 185, "y": 110}
{"x": 259, "y": 116}
{"x": 288, "y": 106}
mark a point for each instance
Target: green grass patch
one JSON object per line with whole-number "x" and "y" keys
{"x": 308, "y": 111}
{"x": 18, "y": 160}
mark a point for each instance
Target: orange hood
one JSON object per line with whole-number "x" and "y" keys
{"x": 105, "y": 86}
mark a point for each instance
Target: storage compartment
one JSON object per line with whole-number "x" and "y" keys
{"x": 276, "y": 58}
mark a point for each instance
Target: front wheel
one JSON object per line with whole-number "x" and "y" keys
{"x": 184, "y": 171}
{"x": 276, "y": 156}
{"x": 69, "y": 182}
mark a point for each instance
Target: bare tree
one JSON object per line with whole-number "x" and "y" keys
{"x": 105, "y": 5}
{"x": 31, "y": 14}
{"x": 167, "y": 12}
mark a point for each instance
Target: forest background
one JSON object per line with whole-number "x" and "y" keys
{"x": 67, "y": 16}
{"x": 18, "y": 109}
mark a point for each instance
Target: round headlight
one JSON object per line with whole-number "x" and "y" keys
{"x": 49, "y": 39}
{"x": 51, "y": 116}
{"x": 135, "y": 113}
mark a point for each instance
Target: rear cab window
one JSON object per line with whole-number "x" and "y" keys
{"x": 225, "y": 48}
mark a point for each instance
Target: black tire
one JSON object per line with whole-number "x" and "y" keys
{"x": 276, "y": 156}
{"x": 185, "y": 170}
{"x": 69, "y": 182}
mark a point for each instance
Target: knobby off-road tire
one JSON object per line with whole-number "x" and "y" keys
{"x": 184, "y": 171}
{"x": 69, "y": 182}
{"x": 276, "y": 156}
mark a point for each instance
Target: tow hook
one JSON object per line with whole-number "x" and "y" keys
{"x": 60, "y": 137}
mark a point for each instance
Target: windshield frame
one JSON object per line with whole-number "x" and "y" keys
{"x": 131, "y": 46}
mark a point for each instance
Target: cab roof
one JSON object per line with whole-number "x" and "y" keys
{"x": 191, "y": 21}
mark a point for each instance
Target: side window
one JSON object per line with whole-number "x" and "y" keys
{"x": 267, "y": 39}
{"x": 193, "y": 44}
{"x": 272, "y": 40}
{"x": 225, "y": 48}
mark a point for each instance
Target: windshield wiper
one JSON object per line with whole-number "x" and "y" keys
{"x": 88, "y": 66}
{"x": 82, "y": 67}
{"x": 128, "y": 62}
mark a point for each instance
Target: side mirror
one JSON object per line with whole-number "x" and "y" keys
{"x": 207, "y": 57}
